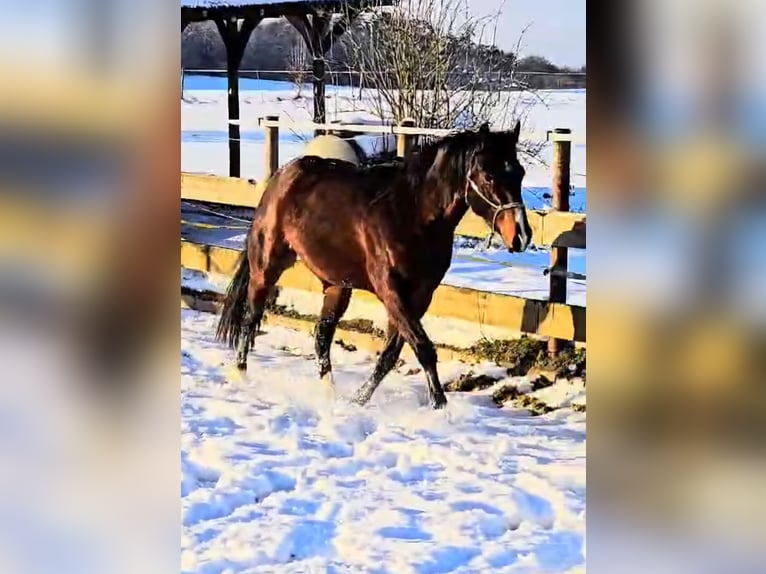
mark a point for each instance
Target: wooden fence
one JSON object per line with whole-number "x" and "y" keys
{"x": 558, "y": 228}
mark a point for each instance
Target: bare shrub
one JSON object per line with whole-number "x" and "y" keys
{"x": 297, "y": 64}
{"x": 433, "y": 62}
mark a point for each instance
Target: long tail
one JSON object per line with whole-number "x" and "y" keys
{"x": 234, "y": 305}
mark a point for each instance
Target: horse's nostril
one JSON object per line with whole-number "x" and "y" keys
{"x": 515, "y": 244}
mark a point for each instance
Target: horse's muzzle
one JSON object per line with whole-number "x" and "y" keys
{"x": 520, "y": 241}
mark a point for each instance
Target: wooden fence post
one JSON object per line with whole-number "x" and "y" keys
{"x": 562, "y": 153}
{"x": 404, "y": 141}
{"x": 272, "y": 147}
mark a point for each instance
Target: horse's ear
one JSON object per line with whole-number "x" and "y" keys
{"x": 516, "y": 130}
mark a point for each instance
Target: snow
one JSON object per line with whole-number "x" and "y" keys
{"x": 277, "y": 477}
{"x": 204, "y": 135}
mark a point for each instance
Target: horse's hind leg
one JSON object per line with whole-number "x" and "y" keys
{"x": 266, "y": 267}
{"x": 386, "y": 361}
{"x": 257, "y": 293}
{"x": 336, "y": 300}
{"x": 404, "y": 326}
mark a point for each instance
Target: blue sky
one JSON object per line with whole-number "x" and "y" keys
{"x": 557, "y": 27}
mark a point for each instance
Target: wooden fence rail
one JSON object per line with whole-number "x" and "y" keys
{"x": 274, "y": 122}
{"x": 548, "y": 227}
{"x": 480, "y": 307}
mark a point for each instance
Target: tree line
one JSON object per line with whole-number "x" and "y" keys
{"x": 362, "y": 55}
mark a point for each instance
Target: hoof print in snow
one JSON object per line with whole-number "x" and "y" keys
{"x": 470, "y": 382}
{"x": 578, "y": 408}
{"x": 414, "y": 371}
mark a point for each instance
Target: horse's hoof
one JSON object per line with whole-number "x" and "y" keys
{"x": 438, "y": 403}
{"x": 242, "y": 366}
{"x": 359, "y": 401}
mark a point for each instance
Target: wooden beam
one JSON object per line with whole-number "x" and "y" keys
{"x": 504, "y": 311}
{"x": 318, "y": 81}
{"x": 317, "y": 33}
{"x": 302, "y": 25}
{"x": 548, "y": 227}
{"x": 234, "y": 192}
{"x": 339, "y": 28}
{"x": 562, "y": 151}
{"x": 235, "y": 34}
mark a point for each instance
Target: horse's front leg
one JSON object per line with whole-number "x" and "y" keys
{"x": 386, "y": 361}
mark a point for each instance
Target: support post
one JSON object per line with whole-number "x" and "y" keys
{"x": 318, "y": 75}
{"x": 235, "y": 34}
{"x": 404, "y": 141}
{"x": 272, "y": 148}
{"x": 319, "y": 32}
{"x": 562, "y": 153}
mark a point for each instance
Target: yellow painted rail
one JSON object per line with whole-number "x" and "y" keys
{"x": 508, "y": 312}
{"x": 561, "y": 229}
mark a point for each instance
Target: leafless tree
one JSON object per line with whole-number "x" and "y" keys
{"x": 433, "y": 62}
{"x": 297, "y": 64}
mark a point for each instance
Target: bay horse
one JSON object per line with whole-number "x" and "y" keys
{"x": 388, "y": 229}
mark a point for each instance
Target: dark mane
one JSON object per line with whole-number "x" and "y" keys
{"x": 458, "y": 150}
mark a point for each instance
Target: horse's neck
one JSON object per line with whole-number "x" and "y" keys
{"x": 446, "y": 210}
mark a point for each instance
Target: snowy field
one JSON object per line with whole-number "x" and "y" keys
{"x": 278, "y": 478}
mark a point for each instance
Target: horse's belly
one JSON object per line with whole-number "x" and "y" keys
{"x": 338, "y": 271}
{"x": 350, "y": 279}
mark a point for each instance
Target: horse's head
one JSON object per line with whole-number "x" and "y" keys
{"x": 493, "y": 186}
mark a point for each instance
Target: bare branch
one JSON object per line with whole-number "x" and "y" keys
{"x": 435, "y": 63}
{"x": 297, "y": 64}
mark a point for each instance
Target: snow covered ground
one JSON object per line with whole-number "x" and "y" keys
{"x": 278, "y": 478}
